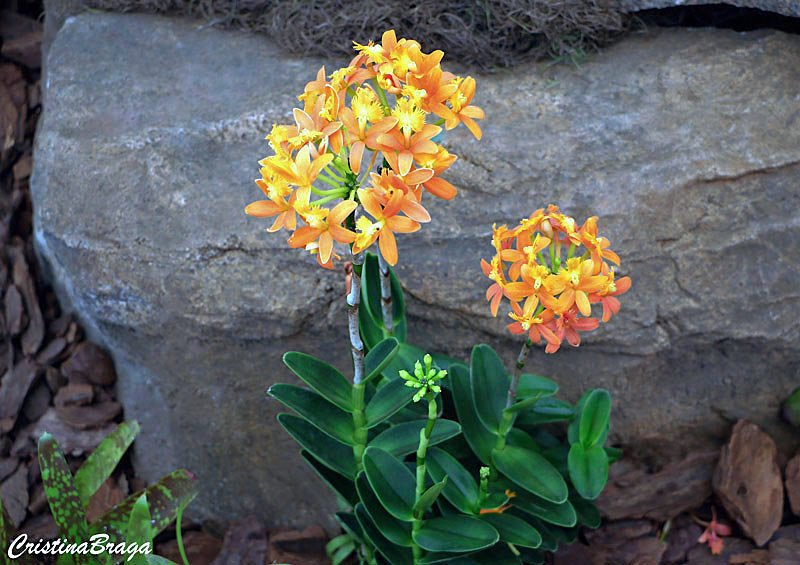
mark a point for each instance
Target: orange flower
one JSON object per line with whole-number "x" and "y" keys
{"x": 407, "y": 147}
{"x": 318, "y": 228}
{"x": 381, "y": 228}
{"x": 526, "y": 321}
{"x": 712, "y": 532}
{"x": 568, "y": 325}
{"x": 462, "y": 111}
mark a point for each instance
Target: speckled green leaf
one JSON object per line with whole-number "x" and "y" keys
{"x": 139, "y": 529}
{"x": 59, "y": 487}
{"x": 103, "y": 460}
{"x": 165, "y": 497}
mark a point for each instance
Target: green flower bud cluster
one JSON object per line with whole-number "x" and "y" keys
{"x": 423, "y": 379}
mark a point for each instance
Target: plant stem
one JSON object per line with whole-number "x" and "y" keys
{"x": 515, "y": 374}
{"x": 359, "y": 424}
{"x": 328, "y": 180}
{"x": 424, "y": 438}
{"x": 353, "y": 301}
{"x": 178, "y": 535}
{"x": 386, "y": 294}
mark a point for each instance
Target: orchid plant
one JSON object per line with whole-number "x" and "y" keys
{"x": 433, "y": 460}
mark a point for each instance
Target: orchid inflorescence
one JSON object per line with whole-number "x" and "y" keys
{"x": 538, "y": 263}
{"x": 346, "y": 113}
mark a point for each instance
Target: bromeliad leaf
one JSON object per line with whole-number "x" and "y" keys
{"x": 324, "y": 415}
{"x": 139, "y": 530}
{"x": 489, "y": 382}
{"x": 103, "y": 460}
{"x": 455, "y": 533}
{"x": 59, "y": 487}
{"x": 165, "y": 498}
{"x": 389, "y": 399}
{"x": 402, "y": 439}
{"x": 391, "y": 481}
{"x": 7, "y": 534}
{"x": 331, "y": 453}
{"x": 379, "y": 357}
{"x": 322, "y": 377}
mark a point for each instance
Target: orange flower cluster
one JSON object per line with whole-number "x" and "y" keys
{"x": 536, "y": 264}
{"x": 346, "y": 113}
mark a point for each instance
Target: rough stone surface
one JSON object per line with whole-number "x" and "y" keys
{"x": 785, "y": 7}
{"x": 684, "y": 142}
{"x": 793, "y": 483}
{"x": 748, "y": 482}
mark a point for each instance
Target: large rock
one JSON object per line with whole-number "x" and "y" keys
{"x": 685, "y": 142}
{"x": 785, "y": 7}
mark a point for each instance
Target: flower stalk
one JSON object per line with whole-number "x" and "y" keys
{"x": 386, "y": 294}
{"x": 515, "y": 374}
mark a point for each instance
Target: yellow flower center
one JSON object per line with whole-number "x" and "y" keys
{"x": 409, "y": 117}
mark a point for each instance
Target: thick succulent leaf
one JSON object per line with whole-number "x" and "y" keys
{"x": 322, "y": 377}
{"x": 429, "y": 497}
{"x": 371, "y": 291}
{"x": 588, "y": 470}
{"x": 391, "y": 481}
{"x": 331, "y": 453}
{"x": 324, "y": 415}
{"x": 500, "y": 554}
{"x": 389, "y": 399}
{"x": 595, "y": 417}
{"x": 447, "y": 557}
{"x": 396, "y": 531}
{"x": 534, "y": 385}
{"x": 402, "y": 439}
{"x": 349, "y": 523}
{"x": 395, "y": 554}
{"x": 165, "y": 498}
{"x": 614, "y": 453}
{"x": 562, "y": 514}
{"x": 531, "y": 556}
{"x": 545, "y": 411}
{"x": 337, "y": 482}
{"x": 379, "y": 356}
{"x": 371, "y": 331}
{"x": 63, "y": 497}
{"x": 456, "y": 534}
{"x": 103, "y": 460}
{"x": 480, "y": 439}
{"x": 587, "y": 512}
{"x": 489, "y": 382}
{"x": 514, "y": 530}
{"x": 532, "y": 472}
{"x": 445, "y": 362}
{"x": 461, "y": 489}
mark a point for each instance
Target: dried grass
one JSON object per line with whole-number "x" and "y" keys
{"x": 486, "y": 33}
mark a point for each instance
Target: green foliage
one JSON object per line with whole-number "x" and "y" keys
{"x": 133, "y": 523}
{"x": 478, "y": 482}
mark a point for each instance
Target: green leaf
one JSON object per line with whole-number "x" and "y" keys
{"x": 514, "y": 530}
{"x": 429, "y": 497}
{"x": 165, "y": 498}
{"x": 562, "y": 514}
{"x": 322, "y": 377}
{"x": 534, "y": 385}
{"x": 396, "y": 531}
{"x": 490, "y": 383}
{"x": 59, "y": 487}
{"x": 594, "y": 417}
{"x": 455, "y": 533}
{"x": 587, "y": 512}
{"x": 391, "y": 481}
{"x": 531, "y": 556}
{"x": 103, "y": 460}
{"x": 371, "y": 291}
{"x": 7, "y": 534}
{"x": 532, "y": 472}
{"x": 445, "y": 362}
{"x": 317, "y": 411}
{"x": 480, "y": 440}
{"x": 402, "y": 439}
{"x": 349, "y": 523}
{"x": 545, "y": 411}
{"x": 573, "y": 430}
{"x": 547, "y": 531}
{"x": 342, "y": 552}
{"x": 156, "y": 560}
{"x": 500, "y": 554}
{"x": 379, "y": 357}
{"x": 461, "y": 489}
{"x": 448, "y": 557}
{"x": 523, "y": 404}
{"x": 396, "y": 555}
{"x": 139, "y": 530}
{"x": 588, "y": 470}
{"x": 389, "y": 399}
{"x": 331, "y": 453}
{"x": 614, "y": 453}
{"x": 337, "y": 482}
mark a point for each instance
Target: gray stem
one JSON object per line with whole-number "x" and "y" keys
{"x": 353, "y": 301}
{"x": 386, "y": 293}
{"x": 523, "y": 357}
